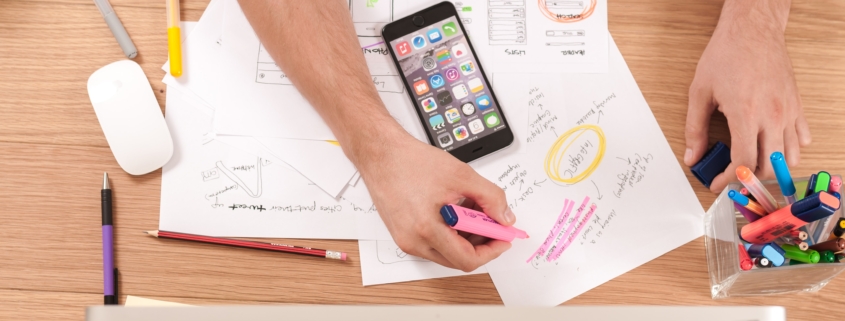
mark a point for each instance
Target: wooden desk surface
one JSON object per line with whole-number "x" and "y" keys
{"x": 53, "y": 153}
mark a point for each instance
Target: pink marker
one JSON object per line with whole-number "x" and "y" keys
{"x": 478, "y": 223}
{"x": 835, "y": 184}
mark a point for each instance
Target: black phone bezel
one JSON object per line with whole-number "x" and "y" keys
{"x": 431, "y": 15}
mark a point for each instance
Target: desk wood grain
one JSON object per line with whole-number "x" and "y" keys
{"x": 52, "y": 154}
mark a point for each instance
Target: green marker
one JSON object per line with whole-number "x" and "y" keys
{"x": 822, "y": 182}
{"x": 794, "y": 253}
{"x": 827, "y": 256}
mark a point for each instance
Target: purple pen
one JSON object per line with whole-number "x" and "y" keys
{"x": 109, "y": 271}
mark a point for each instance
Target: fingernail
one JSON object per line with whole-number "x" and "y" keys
{"x": 509, "y": 217}
{"x": 688, "y": 156}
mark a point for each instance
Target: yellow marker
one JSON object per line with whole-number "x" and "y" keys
{"x": 174, "y": 38}
{"x": 557, "y": 155}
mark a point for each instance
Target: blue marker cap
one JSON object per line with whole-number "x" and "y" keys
{"x": 714, "y": 162}
{"x": 787, "y": 186}
{"x": 771, "y": 251}
{"x": 738, "y": 197}
{"x": 449, "y": 215}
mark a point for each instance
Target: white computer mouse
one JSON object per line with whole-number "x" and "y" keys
{"x": 130, "y": 117}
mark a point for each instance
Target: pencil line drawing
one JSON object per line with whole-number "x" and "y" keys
{"x": 235, "y": 178}
{"x": 564, "y": 11}
{"x": 506, "y": 23}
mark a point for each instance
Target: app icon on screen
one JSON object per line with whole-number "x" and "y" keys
{"x": 483, "y": 102}
{"x": 434, "y": 35}
{"x": 436, "y": 122}
{"x": 443, "y": 57}
{"x": 459, "y": 50}
{"x": 475, "y": 85}
{"x": 445, "y": 139}
{"x": 476, "y": 126}
{"x": 453, "y": 116}
{"x": 492, "y": 119}
{"x": 419, "y": 42}
{"x": 436, "y": 81}
{"x": 460, "y": 91}
{"x": 468, "y": 108}
{"x": 429, "y": 63}
{"x": 421, "y": 87}
{"x": 449, "y": 29}
{"x": 460, "y": 133}
{"x": 428, "y": 104}
{"x": 444, "y": 98}
{"x": 467, "y": 68}
{"x": 452, "y": 74}
{"x": 403, "y": 48}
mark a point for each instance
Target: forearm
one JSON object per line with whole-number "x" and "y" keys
{"x": 315, "y": 44}
{"x": 759, "y": 13}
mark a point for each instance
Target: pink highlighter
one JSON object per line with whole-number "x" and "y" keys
{"x": 478, "y": 223}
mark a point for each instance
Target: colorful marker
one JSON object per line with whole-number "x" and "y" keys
{"x": 792, "y": 252}
{"x": 838, "y": 229}
{"x": 835, "y": 184}
{"x": 822, "y": 182}
{"x": 801, "y": 244}
{"x": 478, "y": 223}
{"x": 798, "y": 214}
{"x": 747, "y": 178}
{"x": 811, "y": 186}
{"x": 174, "y": 38}
{"x": 827, "y": 257}
{"x": 787, "y": 186}
{"x": 801, "y": 235}
{"x": 750, "y": 216}
{"x": 839, "y": 258}
{"x": 771, "y": 251}
{"x": 744, "y": 192}
{"x": 835, "y": 245}
{"x": 762, "y": 262}
{"x": 745, "y": 262}
{"x": 747, "y": 203}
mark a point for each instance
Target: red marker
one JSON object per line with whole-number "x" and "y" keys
{"x": 793, "y": 216}
{"x": 745, "y": 262}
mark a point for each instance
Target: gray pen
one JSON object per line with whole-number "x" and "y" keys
{"x": 117, "y": 28}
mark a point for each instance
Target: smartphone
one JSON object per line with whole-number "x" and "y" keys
{"x": 447, "y": 84}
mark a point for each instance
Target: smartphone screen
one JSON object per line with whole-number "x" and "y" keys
{"x": 447, "y": 85}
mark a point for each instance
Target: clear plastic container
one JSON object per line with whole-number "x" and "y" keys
{"x": 721, "y": 236}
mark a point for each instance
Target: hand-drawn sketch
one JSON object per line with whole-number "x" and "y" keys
{"x": 506, "y": 22}
{"x": 564, "y": 11}
{"x": 574, "y": 149}
{"x": 235, "y": 178}
{"x": 390, "y": 253}
{"x": 370, "y": 16}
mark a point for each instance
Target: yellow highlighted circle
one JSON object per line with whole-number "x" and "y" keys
{"x": 557, "y": 153}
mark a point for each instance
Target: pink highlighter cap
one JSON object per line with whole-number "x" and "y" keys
{"x": 343, "y": 256}
{"x": 478, "y": 223}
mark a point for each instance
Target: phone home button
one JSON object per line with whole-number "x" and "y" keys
{"x": 418, "y": 21}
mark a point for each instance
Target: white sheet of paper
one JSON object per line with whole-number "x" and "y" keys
{"x": 136, "y": 301}
{"x": 200, "y": 52}
{"x": 210, "y": 188}
{"x": 610, "y": 155}
{"x": 384, "y": 262}
{"x": 324, "y": 164}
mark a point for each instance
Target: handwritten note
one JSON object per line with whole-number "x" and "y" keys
{"x": 593, "y": 139}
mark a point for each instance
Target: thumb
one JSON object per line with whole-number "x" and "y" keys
{"x": 698, "y": 122}
{"x": 489, "y": 197}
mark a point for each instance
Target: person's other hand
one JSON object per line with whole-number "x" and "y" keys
{"x": 410, "y": 181}
{"x": 745, "y": 73}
